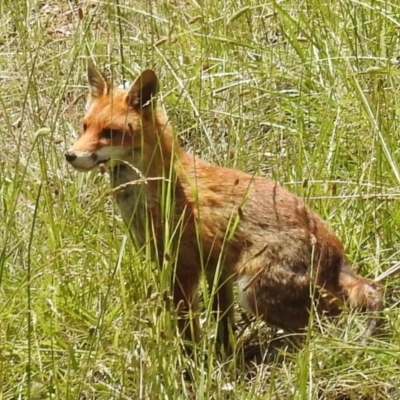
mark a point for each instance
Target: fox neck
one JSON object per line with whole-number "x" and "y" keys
{"x": 148, "y": 166}
{"x": 139, "y": 184}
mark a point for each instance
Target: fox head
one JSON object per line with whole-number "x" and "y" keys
{"x": 120, "y": 125}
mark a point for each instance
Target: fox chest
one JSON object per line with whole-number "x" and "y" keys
{"x": 134, "y": 211}
{"x": 131, "y": 200}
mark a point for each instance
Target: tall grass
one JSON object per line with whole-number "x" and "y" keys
{"x": 302, "y": 92}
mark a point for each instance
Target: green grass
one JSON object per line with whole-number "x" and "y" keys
{"x": 303, "y": 92}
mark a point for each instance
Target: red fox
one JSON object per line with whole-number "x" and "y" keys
{"x": 234, "y": 227}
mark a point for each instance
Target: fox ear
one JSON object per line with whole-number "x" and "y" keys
{"x": 143, "y": 89}
{"x": 98, "y": 85}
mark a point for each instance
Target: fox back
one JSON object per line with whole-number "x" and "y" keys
{"x": 232, "y": 226}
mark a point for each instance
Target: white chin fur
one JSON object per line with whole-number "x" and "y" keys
{"x": 112, "y": 155}
{"x": 84, "y": 161}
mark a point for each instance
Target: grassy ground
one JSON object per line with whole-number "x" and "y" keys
{"x": 303, "y": 92}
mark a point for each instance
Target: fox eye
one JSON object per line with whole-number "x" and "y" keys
{"x": 108, "y": 133}
{"x": 84, "y": 127}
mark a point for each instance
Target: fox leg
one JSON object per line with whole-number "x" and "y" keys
{"x": 222, "y": 304}
{"x": 280, "y": 295}
{"x": 187, "y": 303}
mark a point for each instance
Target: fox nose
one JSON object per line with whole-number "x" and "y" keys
{"x": 70, "y": 156}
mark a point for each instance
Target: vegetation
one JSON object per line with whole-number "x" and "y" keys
{"x": 305, "y": 93}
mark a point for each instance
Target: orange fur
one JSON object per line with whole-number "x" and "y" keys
{"x": 224, "y": 222}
